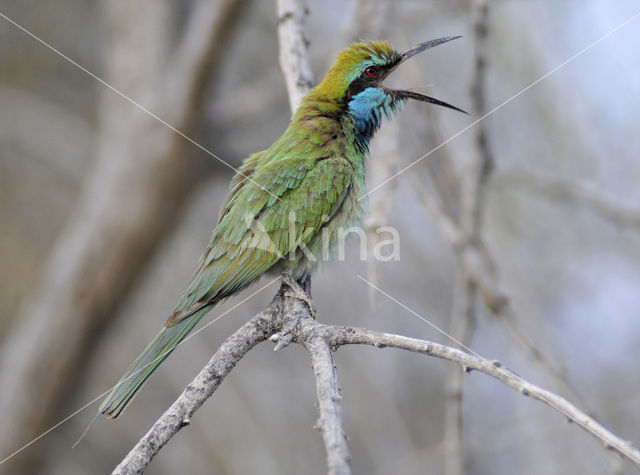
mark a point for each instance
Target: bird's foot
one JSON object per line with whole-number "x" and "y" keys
{"x": 296, "y": 291}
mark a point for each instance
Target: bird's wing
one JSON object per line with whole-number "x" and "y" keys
{"x": 255, "y": 228}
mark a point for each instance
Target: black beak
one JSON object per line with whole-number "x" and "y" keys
{"x": 412, "y": 52}
{"x": 423, "y": 98}
{"x": 426, "y": 45}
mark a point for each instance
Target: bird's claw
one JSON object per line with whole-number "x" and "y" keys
{"x": 297, "y": 292}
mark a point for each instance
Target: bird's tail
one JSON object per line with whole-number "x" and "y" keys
{"x": 161, "y": 346}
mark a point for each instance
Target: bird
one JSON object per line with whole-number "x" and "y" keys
{"x": 288, "y": 201}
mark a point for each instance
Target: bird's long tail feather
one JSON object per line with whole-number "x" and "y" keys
{"x": 161, "y": 346}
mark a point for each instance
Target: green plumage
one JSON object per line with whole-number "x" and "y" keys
{"x": 311, "y": 176}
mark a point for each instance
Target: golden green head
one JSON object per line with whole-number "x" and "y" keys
{"x": 366, "y": 64}
{"x": 353, "y": 86}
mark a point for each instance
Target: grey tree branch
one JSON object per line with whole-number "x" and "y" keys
{"x": 339, "y": 335}
{"x": 329, "y": 403}
{"x": 300, "y": 327}
{"x": 288, "y": 319}
{"x": 294, "y": 61}
{"x": 256, "y": 330}
{"x": 457, "y": 205}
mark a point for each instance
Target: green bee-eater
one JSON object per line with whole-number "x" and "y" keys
{"x": 289, "y": 202}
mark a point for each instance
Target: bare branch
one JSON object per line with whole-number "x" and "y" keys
{"x": 481, "y": 269}
{"x": 290, "y": 317}
{"x": 256, "y": 330}
{"x": 292, "y": 15}
{"x": 287, "y": 319}
{"x": 339, "y": 335}
{"x": 330, "y": 404}
{"x": 299, "y": 326}
{"x": 460, "y": 221}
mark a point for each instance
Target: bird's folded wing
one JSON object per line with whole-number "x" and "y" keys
{"x": 284, "y": 204}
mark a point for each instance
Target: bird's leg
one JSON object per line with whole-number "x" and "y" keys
{"x": 306, "y": 285}
{"x": 300, "y": 291}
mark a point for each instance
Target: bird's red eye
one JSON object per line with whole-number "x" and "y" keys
{"x": 371, "y": 71}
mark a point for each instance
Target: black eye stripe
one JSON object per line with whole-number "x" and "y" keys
{"x": 364, "y": 80}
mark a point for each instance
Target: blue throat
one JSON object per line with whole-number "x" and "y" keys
{"x": 367, "y": 109}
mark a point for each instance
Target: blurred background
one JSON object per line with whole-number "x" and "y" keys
{"x": 106, "y": 210}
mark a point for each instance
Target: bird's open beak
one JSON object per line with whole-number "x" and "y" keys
{"x": 412, "y": 52}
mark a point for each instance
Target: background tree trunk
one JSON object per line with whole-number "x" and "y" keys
{"x": 131, "y": 200}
